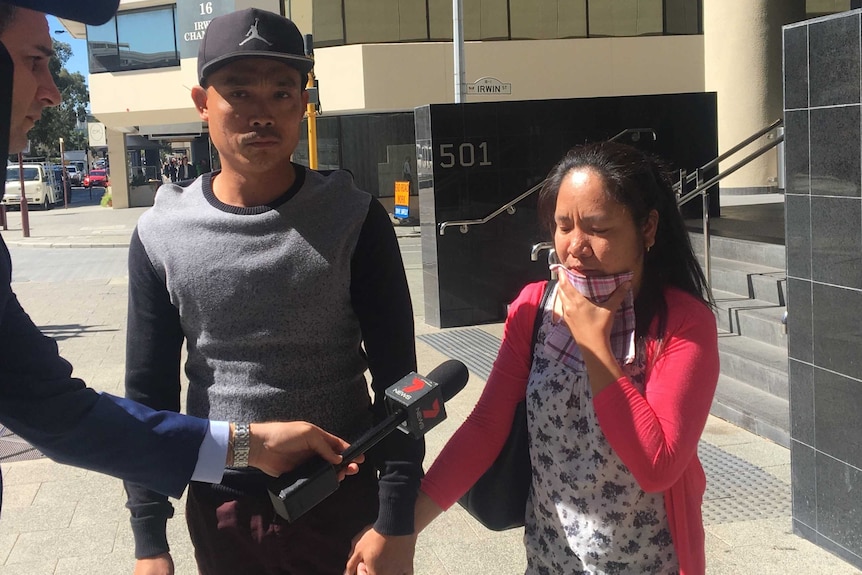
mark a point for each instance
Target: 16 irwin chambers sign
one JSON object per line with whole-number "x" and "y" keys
{"x": 193, "y": 19}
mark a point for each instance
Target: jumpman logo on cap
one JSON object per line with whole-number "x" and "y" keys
{"x": 253, "y": 34}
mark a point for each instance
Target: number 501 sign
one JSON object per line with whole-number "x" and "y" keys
{"x": 464, "y": 155}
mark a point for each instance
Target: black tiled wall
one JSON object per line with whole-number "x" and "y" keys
{"x": 476, "y": 157}
{"x": 824, "y": 267}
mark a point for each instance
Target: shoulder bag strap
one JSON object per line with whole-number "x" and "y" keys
{"x": 537, "y": 323}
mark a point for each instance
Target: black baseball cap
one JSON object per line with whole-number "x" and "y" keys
{"x": 93, "y": 12}
{"x": 251, "y": 33}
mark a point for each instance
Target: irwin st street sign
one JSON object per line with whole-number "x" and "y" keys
{"x": 490, "y": 86}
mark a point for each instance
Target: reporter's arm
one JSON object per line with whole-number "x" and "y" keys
{"x": 41, "y": 402}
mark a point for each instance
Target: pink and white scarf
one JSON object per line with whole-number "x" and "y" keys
{"x": 597, "y": 289}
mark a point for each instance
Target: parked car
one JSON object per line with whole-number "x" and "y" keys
{"x": 75, "y": 176}
{"x": 58, "y": 180}
{"x": 95, "y": 178}
{"x": 41, "y": 185}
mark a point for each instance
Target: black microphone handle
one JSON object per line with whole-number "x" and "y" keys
{"x": 451, "y": 376}
{"x": 371, "y": 438}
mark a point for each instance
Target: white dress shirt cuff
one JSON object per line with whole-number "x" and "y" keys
{"x": 213, "y": 453}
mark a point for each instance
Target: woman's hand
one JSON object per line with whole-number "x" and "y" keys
{"x": 590, "y": 324}
{"x": 376, "y": 554}
{"x": 159, "y": 565}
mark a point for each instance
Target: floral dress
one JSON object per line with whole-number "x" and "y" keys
{"x": 586, "y": 514}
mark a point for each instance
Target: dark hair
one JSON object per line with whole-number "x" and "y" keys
{"x": 641, "y": 183}
{"x": 7, "y": 15}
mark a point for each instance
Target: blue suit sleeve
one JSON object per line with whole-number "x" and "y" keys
{"x": 71, "y": 423}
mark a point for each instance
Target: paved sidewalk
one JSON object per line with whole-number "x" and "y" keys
{"x": 83, "y": 224}
{"x": 62, "y": 520}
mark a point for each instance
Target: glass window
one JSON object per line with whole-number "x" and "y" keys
{"x": 625, "y": 17}
{"x": 102, "y": 47}
{"x": 328, "y": 23}
{"x": 134, "y": 40}
{"x": 440, "y": 19}
{"x": 815, "y": 8}
{"x": 147, "y": 39}
{"x": 682, "y": 17}
{"x": 301, "y": 13}
{"x": 483, "y": 19}
{"x": 547, "y": 19}
{"x": 13, "y": 174}
{"x": 370, "y": 21}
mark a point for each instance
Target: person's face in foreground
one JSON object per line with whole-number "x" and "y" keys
{"x": 254, "y": 107}
{"x": 595, "y": 234}
{"x": 29, "y": 44}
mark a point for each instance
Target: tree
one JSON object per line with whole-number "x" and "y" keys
{"x": 61, "y": 121}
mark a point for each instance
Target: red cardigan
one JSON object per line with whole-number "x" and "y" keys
{"x": 655, "y": 435}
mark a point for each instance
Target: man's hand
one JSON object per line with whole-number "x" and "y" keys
{"x": 277, "y": 448}
{"x": 376, "y": 554}
{"x": 159, "y": 565}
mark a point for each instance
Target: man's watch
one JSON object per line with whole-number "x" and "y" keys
{"x": 241, "y": 443}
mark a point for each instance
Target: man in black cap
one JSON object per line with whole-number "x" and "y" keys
{"x": 287, "y": 284}
{"x": 39, "y": 400}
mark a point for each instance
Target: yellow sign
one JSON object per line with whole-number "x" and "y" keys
{"x": 402, "y": 193}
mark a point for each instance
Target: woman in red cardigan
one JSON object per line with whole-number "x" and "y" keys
{"x": 618, "y": 387}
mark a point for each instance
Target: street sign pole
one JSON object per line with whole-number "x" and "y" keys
{"x": 311, "y": 109}
{"x": 25, "y": 216}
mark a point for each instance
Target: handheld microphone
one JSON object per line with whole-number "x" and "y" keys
{"x": 415, "y": 405}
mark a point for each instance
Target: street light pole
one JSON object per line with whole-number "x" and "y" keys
{"x": 63, "y": 175}
{"x": 458, "y": 47}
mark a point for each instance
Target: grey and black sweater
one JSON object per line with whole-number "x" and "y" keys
{"x": 282, "y": 307}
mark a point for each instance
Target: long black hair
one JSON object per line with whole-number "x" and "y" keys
{"x": 641, "y": 183}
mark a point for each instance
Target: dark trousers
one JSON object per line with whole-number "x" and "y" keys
{"x": 245, "y": 536}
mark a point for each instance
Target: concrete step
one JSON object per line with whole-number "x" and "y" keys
{"x": 757, "y": 364}
{"x": 756, "y": 319}
{"x": 759, "y": 253}
{"x": 750, "y": 280}
{"x": 752, "y": 409}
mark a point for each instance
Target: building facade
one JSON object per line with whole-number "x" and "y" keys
{"x": 382, "y": 57}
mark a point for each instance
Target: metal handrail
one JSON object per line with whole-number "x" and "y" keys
{"x": 534, "y": 251}
{"x": 464, "y": 225}
{"x": 510, "y": 207}
{"x": 702, "y": 190}
{"x": 634, "y": 131}
{"x": 740, "y": 164}
{"x": 730, "y": 152}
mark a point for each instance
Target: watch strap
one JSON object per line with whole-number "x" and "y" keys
{"x": 241, "y": 444}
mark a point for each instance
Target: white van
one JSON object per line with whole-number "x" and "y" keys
{"x": 40, "y": 185}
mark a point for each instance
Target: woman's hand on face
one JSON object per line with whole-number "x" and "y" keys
{"x": 590, "y": 323}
